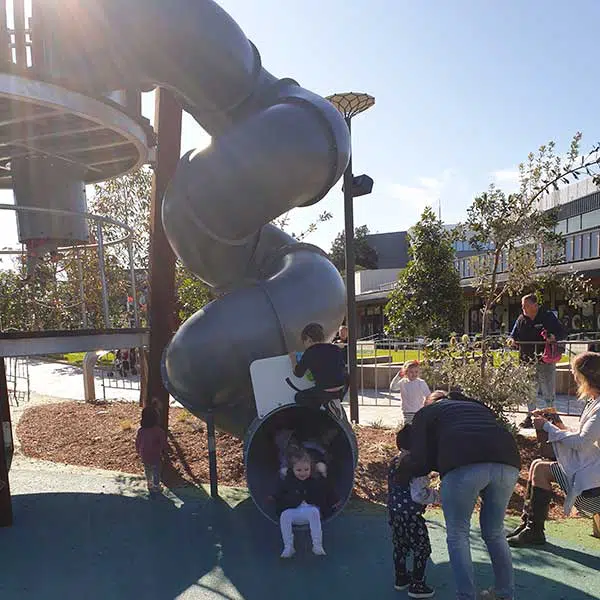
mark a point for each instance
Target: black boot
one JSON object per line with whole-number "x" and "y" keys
{"x": 533, "y": 534}
{"x": 524, "y": 515}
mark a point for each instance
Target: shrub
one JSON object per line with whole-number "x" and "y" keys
{"x": 502, "y": 383}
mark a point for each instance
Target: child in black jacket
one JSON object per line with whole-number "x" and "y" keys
{"x": 327, "y": 365}
{"x": 302, "y": 499}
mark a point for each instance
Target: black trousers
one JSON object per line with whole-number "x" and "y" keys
{"x": 315, "y": 397}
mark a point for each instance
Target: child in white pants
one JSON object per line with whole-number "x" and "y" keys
{"x": 301, "y": 499}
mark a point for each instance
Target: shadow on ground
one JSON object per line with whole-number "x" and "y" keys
{"x": 98, "y": 546}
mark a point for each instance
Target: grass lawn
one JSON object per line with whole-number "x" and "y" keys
{"x": 400, "y": 356}
{"x": 76, "y": 358}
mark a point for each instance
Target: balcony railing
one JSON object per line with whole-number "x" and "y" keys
{"x": 578, "y": 247}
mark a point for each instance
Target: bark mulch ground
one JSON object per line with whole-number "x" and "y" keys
{"x": 102, "y": 436}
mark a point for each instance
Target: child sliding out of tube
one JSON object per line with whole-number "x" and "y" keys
{"x": 302, "y": 499}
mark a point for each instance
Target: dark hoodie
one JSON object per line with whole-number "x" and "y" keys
{"x": 459, "y": 431}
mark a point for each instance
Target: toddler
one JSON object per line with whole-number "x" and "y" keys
{"x": 407, "y": 500}
{"x": 151, "y": 443}
{"x": 413, "y": 390}
{"x": 302, "y": 499}
{"x": 287, "y": 444}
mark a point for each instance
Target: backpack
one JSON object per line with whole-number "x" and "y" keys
{"x": 552, "y": 352}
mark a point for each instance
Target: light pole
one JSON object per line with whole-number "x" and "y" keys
{"x": 351, "y": 104}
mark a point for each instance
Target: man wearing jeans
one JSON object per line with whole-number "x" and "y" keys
{"x": 476, "y": 457}
{"x": 530, "y": 327}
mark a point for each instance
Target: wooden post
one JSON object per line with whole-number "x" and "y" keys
{"x": 596, "y": 525}
{"x": 6, "y": 516}
{"x": 162, "y": 260}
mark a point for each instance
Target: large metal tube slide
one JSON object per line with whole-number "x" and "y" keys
{"x": 275, "y": 146}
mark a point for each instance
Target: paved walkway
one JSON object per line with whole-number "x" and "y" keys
{"x": 376, "y": 406}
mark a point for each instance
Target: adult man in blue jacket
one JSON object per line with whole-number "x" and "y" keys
{"x": 528, "y": 329}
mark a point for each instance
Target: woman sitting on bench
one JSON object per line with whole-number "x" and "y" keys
{"x": 577, "y": 468}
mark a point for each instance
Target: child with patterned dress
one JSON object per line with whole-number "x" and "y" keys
{"x": 407, "y": 500}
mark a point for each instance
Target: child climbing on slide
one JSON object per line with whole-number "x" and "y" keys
{"x": 326, "y": 363}
{"x": 302, "y": 498}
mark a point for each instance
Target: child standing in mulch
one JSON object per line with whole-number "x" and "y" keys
{"x": 407, "y": 500}
{"x": 151, "y": 444}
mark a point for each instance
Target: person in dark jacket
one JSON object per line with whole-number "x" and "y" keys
{"x": 326, "y": 364}
{"x": 303, "y": 497}
{"x": 476, "y": 457}
{"x": 537, "y": 324}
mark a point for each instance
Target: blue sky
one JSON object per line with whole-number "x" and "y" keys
{"x": 464, "y": 90}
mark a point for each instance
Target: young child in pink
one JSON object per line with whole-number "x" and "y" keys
{"x": 413, "y": 390}
{"x": 151, "y": 444}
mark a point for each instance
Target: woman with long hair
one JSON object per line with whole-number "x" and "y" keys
{"x": 577, "y": 465}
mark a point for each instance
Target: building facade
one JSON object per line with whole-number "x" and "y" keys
{"x": 578, "y": 221}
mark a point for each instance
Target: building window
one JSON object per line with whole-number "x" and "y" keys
{"x": 590, "y": 219}
{"x": 574, "y": 224}
{"x": 561, "y": 227}
{"x": 585, "y": 247}
{"x": 577, "y": 251}
{"x": 569, "y": 250}
{"x": 595, "y": 249}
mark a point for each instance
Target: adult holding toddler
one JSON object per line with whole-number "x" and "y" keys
{"x": 413, "y": 390}
{"x": 476, "y": 457}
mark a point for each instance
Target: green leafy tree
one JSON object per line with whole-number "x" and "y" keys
{"x": 365, "y": 255}
{"x": 511, "y": 230}
{"x": 427, "y": 299}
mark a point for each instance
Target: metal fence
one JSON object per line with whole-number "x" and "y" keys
{"x": 124, "y": 372}
{"x": 17, "y": 380}
{"x": 379, "y": 359}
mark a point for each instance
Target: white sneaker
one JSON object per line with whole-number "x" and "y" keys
{"x": 319, "y": 551}
{"x": 288, "y": 552}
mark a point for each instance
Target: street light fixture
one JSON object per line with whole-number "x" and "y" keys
{"x": 351, "y": 104}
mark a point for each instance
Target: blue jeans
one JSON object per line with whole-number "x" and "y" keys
{"x": 460, "y": 488}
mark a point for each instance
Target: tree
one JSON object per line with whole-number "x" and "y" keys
{"x": 365, "y": 255}
{"x": 510, "y": 231}
{"x": 427, "y": 299}
{"x": 283, "y": 223}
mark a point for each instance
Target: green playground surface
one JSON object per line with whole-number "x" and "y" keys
{"x": 104, "y": 538}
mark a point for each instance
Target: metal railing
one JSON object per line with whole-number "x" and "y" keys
{"x": 379, "y": 359}
{"x": 17, "y": 380}
{"x": 119, "y": 235}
